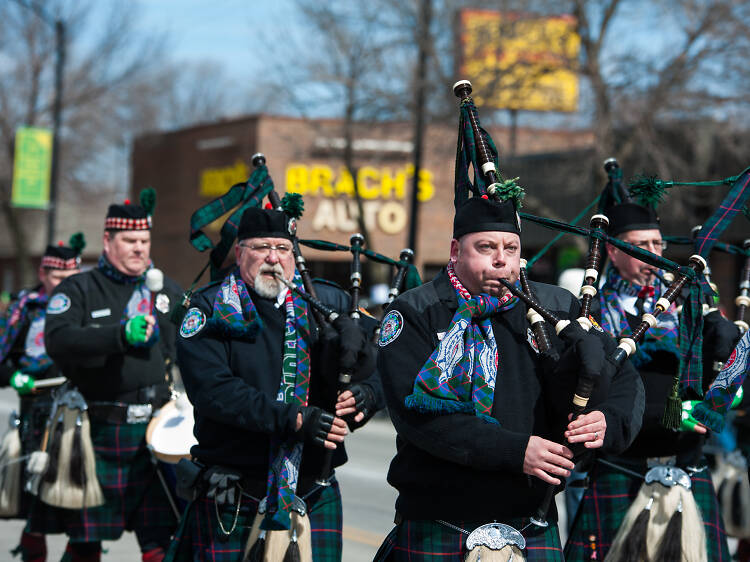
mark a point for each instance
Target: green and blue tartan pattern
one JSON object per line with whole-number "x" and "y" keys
{"x": 460, "y": 374}
{"x": 30, "y": 306}
{"x": 716, "y": 403}
{"x": 134, "y": 497}
{"x": 242, "y": 196}
{"x": 732, "y": 204}
{"x": 466, "y": 154}
{"x": 430, "y": 541}
{"x": 608, "y": 498}
{"x": 234, "y": 314}
{"x": 664, "y": 336}
{"x": 294, "y": 387}
{"x": 203, "y": 540}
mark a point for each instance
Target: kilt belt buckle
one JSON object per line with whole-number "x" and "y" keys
{"x": 668, "y": 476}
{"x": 495, "y": 536}
{"x": 298, "y": 505}
{"x": 138, "y": 413}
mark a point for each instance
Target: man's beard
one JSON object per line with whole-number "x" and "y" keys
{"x": 268, "y": 287}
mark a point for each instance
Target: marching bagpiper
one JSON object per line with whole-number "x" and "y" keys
{"x": 261, "y": 371}
{"x": 109, "y": 331}
{"x": 654, "y": 501}
{"x": 479, "y": 399}
{"x": 23, "y": 362}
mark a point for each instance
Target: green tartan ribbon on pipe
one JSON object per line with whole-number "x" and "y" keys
{"x": 721, "y": 246}
{"x": 559, "y": 235}
{"x": 643, "y": 255}
{"x": 240, "y": 196}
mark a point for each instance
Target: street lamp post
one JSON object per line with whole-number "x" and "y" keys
{"x": 59, "y": 27}
{"x": 56, "y": 118}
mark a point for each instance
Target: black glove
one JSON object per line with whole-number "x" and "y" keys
{"x": 346, "y": 349}
{"x": 316, "y": 424}
{"x": 351, "y": 341}
{"x": 364, "y": 400}
{"x": 592, "y": 351}
{"x": 719, "y": 336}
{"x": 588, "y": 347}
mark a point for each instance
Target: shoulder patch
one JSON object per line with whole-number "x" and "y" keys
{"x": 193, "y": 323}
{"x": 58, "y": 304}
{"x": 390, "y": 328}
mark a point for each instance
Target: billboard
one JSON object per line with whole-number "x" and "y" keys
{"x": 31, "y": 168}
{"x": 519, "y": 61}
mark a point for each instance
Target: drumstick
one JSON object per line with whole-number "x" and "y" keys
{"x": 46, "y": 383}
{"x": 154, "y": 283}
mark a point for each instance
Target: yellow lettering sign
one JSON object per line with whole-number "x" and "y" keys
{"x": 215, "y": 182}
{"x": 373, "y": 183}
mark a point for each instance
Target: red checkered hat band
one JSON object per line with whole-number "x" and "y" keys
{"x": 121, "y": 223}
{"x": 49, "y": 262}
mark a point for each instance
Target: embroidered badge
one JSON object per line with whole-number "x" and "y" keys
{"x": 391, "y": 327}
{"x": 162, "y": 303}
{"x": 193, "y": 323}
{"x": 531, "y": 340}
{"x": 58, "y": 304}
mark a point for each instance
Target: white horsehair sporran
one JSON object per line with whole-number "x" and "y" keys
{"x": 663, "y": 522}
{"x": 64, "y": 469}
{"x": 272, "y": 546}
{"x": 11, "y": 469}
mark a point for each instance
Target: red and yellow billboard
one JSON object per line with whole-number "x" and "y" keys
{"x": 519, "y": 61}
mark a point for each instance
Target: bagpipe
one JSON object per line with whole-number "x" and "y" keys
{"x": 488, "y": 183}
{"x": 240, "y": 197}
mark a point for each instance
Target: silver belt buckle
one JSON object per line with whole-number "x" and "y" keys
{"x": 669, "y": 476}
{"x": 495, "y": 536}
{"x": 139, "y": 413}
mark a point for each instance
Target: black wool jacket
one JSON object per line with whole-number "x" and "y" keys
{"x": 460, "y": 467}
{"x": 86, "y": 339}
{"x": 233, "y": 383}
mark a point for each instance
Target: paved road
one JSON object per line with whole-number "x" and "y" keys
{"x": 368, "y": 499}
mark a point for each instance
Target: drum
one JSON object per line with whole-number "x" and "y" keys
{"x": 170, "y": 433}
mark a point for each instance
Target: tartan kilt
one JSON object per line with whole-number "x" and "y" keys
{"x": 134, "y": 497}
{"x": 421, "y": 540}
{"x": 607, "y": 500}
{"x": 202, "y": 540}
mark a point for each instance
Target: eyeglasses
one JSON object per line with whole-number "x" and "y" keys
{"x": 646, "y": 244}
{"x": 282, "y": 250}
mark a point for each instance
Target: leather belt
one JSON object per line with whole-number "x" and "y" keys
{"x": 115, "y": 413}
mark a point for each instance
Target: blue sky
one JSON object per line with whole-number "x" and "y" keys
{"x": 224, "y": 31}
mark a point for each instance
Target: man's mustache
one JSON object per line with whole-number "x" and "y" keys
{"x": 273, "y": 269}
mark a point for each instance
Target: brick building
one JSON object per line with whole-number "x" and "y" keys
{"x": 190, "y": 167}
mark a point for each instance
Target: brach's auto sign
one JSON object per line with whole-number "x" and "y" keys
{"x": 329, "y": 194}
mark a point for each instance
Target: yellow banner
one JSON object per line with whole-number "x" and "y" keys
{"x": 515, "y": 61}
{"x": 31, "y": 168}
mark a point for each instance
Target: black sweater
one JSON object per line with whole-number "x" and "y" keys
{"x": 87, "y": 340}
{"x": 233, "y": 384}
{"x": 458, "y": 466}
